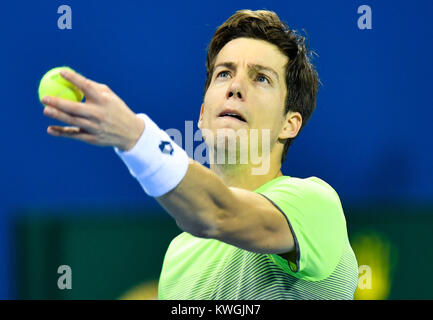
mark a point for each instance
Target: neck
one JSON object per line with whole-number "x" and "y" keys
{"x": 242, "y": 176}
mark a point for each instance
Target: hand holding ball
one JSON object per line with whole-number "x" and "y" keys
{"x": 53, "y": 84}
{"x": 103, "y": 120}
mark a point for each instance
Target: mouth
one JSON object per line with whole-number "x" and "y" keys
{"x": 232, "y": 114}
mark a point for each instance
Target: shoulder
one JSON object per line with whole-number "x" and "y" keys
{"x": 313, "y": 183}
{"x": 311, "y": 189}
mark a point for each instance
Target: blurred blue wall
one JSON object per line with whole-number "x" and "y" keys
{"x": 370, "y": 136}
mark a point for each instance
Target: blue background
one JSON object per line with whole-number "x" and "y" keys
{"x": 370, "y": 136}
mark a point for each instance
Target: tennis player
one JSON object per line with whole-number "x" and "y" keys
{"x": 246, "y": 235}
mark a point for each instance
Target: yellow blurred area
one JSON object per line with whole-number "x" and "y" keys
{"x": 144, "y": 291}
{"x": 376, "y": 260}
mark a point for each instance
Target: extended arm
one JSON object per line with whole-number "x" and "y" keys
{"x": 205, "y": 207}
{"x": 198, "y": 199}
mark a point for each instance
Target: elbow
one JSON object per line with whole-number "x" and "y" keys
{"x": 209, "y": 228}
{"x": 215, "y": 226}
{"x": 205, "y": 233}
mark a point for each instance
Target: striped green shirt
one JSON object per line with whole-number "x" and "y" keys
{"x": 325, "y": 265}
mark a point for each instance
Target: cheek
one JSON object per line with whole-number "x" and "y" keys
{"x": 211, "y": 101}
{"x": 271, "y": 120}
{"x": 207, "y": 116}
{"x": 214, "y": 93}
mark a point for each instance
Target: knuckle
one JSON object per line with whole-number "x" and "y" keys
{"x": 105, "y": 87}
{"x": 88, "y": 84}
{"x": 104, "y": 91}
{"x": 105, "y": 95}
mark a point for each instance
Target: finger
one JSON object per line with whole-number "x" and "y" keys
{"x": 89, "y": 87}
{"x": 71, "y": 107}
{"x": 71, "y": 132}
{"x": 57, "y": 130}
{"x": 84, "y": 123}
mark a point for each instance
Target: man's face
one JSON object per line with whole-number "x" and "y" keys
{"x": 249, "y": 79}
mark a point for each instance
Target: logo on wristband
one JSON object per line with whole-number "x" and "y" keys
{"x": 166, "y": 147}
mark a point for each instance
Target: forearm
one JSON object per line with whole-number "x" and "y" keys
{"x": 199, "y": 202}
{"x": 191, "y": 193}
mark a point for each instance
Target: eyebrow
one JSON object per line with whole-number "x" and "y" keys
{"x": 256, "y": 67}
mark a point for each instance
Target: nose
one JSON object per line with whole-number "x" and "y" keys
{"x": 236, "y": 89}
{"x": 236, "y": 93}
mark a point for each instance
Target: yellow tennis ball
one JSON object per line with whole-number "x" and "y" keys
{"x": 53, "y": 84}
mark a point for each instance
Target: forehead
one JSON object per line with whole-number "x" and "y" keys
{"x": 254, "y": 51}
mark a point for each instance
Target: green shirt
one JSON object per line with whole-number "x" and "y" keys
{"x": 325, "y": 266}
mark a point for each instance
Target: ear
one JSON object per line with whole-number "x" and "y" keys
{"x": 292, "y": 125}
{"x": 200, "y": 120}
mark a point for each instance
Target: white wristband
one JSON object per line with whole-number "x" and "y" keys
{"x": 156, "y": 161}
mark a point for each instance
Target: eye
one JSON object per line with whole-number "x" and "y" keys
{"x": 262, "y": 78}
{"x": 223, "y": 74}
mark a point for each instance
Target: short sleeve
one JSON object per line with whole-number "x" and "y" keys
{"x": 316, "y": 219}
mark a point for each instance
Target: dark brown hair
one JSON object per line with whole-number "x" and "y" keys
{"x": 301, "y": 77}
